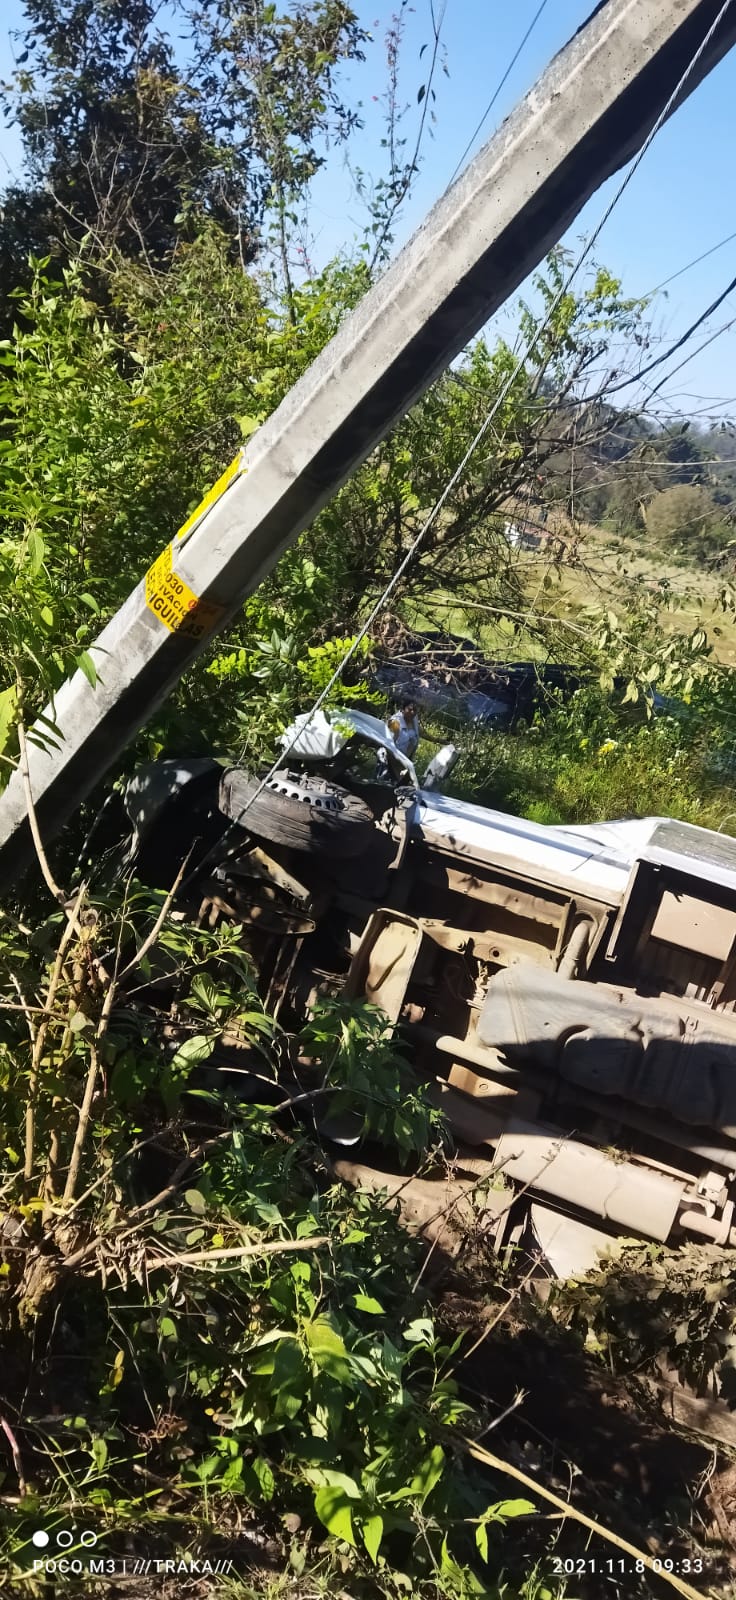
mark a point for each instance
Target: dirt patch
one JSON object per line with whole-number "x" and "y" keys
{"x": 602, "y": 1443}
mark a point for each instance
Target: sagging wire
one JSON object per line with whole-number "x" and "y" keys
{"x": 505, "y": 389}
{"x": 499, "y": 87}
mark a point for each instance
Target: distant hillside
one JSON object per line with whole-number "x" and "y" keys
{"x": 630, "y": 476}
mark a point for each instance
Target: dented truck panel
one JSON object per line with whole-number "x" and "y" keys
{"x": 569, "y": 995}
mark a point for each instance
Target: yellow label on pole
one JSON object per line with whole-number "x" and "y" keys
{"x": 229, "y": 475}
{"x": 175, "y": 604}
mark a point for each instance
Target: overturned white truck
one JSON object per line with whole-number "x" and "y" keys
{"x": 569, "y": 992}
{"x": 572, "y": 991}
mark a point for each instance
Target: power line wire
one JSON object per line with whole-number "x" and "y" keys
{"x": 690, "y": 264}
{"x": 725, "y": 328}
{"x": 499, "y": 87}
{"x": 439, "y": 504}
{"x": 658, "y": 361}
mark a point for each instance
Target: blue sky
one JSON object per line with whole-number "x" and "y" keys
{"x": 681, "y": 201}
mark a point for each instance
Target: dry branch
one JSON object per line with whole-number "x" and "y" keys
{"x": 151, "y": 938}
{"x": 479, "y": 1453}
{"x": 239, "y": 1252}
{"x": 71, "y": 928}
{"x": 15, "y": 1451}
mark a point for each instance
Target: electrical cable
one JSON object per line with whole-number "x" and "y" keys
{"x": 725, "y": 328}
{"x": 690, "y": 264}
{"x": 439, "y": 504}
{"x": 636, "y": 377}
{"x": 497, "y": 90}
{"x": 659, "y": 360}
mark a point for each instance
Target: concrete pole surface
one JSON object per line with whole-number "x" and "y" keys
{"x": 589, "y": 112}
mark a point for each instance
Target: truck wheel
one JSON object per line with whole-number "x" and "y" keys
{"x": 299, "y": 812}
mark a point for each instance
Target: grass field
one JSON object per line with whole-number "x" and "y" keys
{"x": 594, "y": 579}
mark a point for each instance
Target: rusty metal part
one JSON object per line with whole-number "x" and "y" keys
{"x": 401, "y": 827}
{"x": 547, "y": 1161}
{"x": 575, "y": 950}
{"x": 675, "y": 931}
{"x": 491, "y": 1062}
{"x": 282, "y": 905}
{"x": 482, "y": 1088}
{"x": 484, "y": 870}
{"x": 498, "y": 1071}
{"x": 385, "y": 959}
{"x": 481, "y": 1122}
{"x": 692, "y": 923}
{"x": 517, "y": 900}
{"x": 311, "y": 791}
{"x": 223, "y": 899}
{"x": 650, "y": 1051}
{"x": 496, "y": 949}
{"x": 255, "y": 863}
{"x": 480, "y": 1055}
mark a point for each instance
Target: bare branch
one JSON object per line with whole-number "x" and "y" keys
{"x": 17, "y": 1462}
{"x": 48, "y": 876}
{"x": 479, "y": 1453}
{"x": 71, "y": 928}
{"x": 151, "y": 938}
{"x": 239, "y": 1253}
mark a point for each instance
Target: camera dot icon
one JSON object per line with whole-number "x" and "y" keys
{"x": 64, "y": 1538}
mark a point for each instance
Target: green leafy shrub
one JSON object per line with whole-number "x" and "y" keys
{"x": 687, "y": 518}
{"x": 584, "y": 761}
{"x": 250, "y": 1330}
{"x": 648, "y": 1302}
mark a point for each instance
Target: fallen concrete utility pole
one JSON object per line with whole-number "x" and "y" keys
{"x": 589, "y": 112}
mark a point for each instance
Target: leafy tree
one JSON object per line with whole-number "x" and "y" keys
{"x": 274, "y": 78}
{"x": 116, "y": 141}
{"x": 687, "y": 519}
{"x": 629, "y": 488}
{"x": 660, "y": 460}
{"x": 111, "y": 430}
{"x": 384, "y": 192}
{"x": 124, "y": 141}
{"x": 683, "y": 452}
{"x": 371, "y": 523}
{"x": 97, "y": 460}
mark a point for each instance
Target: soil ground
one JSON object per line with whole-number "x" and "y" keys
{"x": 603, "y": 1443}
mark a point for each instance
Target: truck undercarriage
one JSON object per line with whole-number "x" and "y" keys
{"x": 568, "y": 994}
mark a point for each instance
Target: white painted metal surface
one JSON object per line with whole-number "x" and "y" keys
{"x": 322, "y": 735}
{"x": 598, "y": 866}
{"x": 597, "y": 857}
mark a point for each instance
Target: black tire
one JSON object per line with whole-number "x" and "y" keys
{"x": 306, "y": 814}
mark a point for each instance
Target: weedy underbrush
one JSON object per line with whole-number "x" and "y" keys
{"x": 205, "y": 1335}
{"x": 648, "y": 1304}
{"x": 211, "y": 1347}
{"x": 584, "y": 760}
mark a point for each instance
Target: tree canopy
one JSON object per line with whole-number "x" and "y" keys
{"x": 133, "y": 137}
